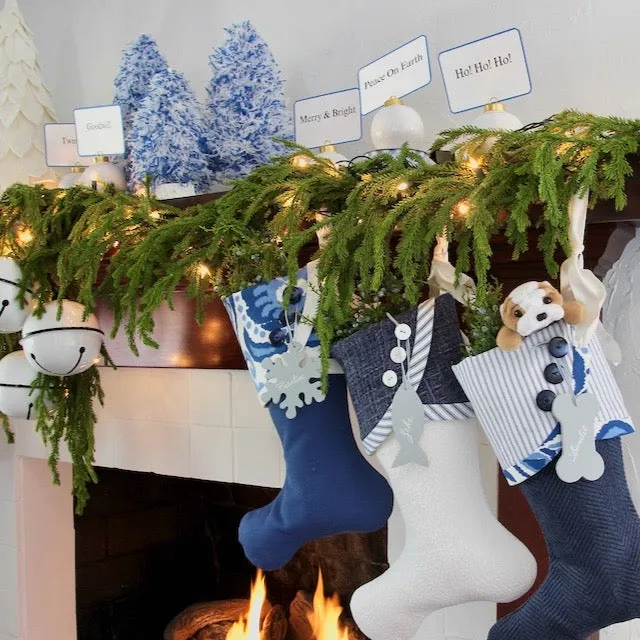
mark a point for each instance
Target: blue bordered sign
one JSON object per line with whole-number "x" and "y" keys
{"x": 397, "y": 73}
{"x": 328, "y": 118}
{"x": 99, "y": 130}
{"x": 488, "y": 69}
{"x": 61, "y": 146}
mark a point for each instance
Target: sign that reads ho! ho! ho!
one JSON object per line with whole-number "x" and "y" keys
{"x": 99, "y": 131}
{"x": 486, "y": 70}
{"x": 61, "y": 146}
{"x": 328, "y": 118}
{"x": 398, "y": 73}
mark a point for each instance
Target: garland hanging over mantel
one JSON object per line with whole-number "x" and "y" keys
{"x": 385, "y": 213}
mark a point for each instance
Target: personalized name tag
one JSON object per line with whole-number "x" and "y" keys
{"x": 332, "y": 117}
{"x": 398, "y": 73}
{"x": 485, "y": 70}
{"x": 579, "y": 458}
{"x": 61, "y": 146}
{"x": 407, "y": 415}
{"x": 99, "y": 131}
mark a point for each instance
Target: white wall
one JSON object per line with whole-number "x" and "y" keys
{"x": 581, "y": 53}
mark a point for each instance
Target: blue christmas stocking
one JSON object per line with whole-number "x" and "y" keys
{"x": 329, "y": 488}
{"x": 590, "y": 525}
{"x": 593, "y": 538}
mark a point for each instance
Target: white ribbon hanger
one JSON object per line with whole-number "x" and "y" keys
{"x": 442, "y": 278}
{"x": 580, "y": 284}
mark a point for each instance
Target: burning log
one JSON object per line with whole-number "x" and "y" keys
{"x": 319, "y": 618}
{"x": 254, "y": 619}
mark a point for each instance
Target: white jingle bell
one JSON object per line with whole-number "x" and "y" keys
{"x": 62, "y": 347}
{"x": 396, "y": 124}
{"x": 71, "y": 179}
{"x": 103, "y": 173}
{"x": 16, "y": 376}
{"x": 12, "y": 314}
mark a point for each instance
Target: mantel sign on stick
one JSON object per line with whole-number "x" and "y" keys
{"x": 490, "y": 69}
{"x": 61, "y": 146}
{"x": 398, "y": 73}
{"x": 329, "y": 118}
{"x": 99, "y": 131}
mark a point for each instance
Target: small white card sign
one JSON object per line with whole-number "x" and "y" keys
{"x": 398, "y": 73}
{"x": 328, "y": 118}
{"x": 61, "y": 146}
{"x": 99, "y": 131}
{"x": 485, "y": 70}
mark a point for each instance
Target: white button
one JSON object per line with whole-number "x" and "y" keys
{"x": 403, "y": 332}
{"x": 389, "y": 378}
{"x": 398, "y": 355}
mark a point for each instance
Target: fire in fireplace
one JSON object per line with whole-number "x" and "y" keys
{"x": 316, "y": 617}
{"x": 157, "y": 555}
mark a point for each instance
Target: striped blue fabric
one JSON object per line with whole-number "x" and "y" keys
{"x": 502, "y": 387}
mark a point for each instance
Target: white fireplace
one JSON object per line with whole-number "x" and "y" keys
{"x": 205, "y": 424}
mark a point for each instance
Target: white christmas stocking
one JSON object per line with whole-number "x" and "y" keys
{"x": 456, "y": 551}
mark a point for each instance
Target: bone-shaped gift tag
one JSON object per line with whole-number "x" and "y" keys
{"x": 579, "y": 458}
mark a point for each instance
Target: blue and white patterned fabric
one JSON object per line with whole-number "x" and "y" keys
{"x": 503, "y": 385}
{"x": 256, "y": 312}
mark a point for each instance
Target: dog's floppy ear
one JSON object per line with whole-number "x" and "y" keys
{"x": 573, "y": 312}
{"x": 508, "y": 339}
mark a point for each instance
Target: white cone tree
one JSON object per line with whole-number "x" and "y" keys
{"x": 25, "y": 103}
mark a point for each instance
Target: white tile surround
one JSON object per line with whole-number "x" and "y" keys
{"x": 191, "y": 423}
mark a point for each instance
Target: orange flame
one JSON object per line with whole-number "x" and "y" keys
{"x": 248, "y": 627}
{"x": 324, "y": 619}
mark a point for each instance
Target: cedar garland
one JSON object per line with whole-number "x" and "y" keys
{"x": 385, "y": 213}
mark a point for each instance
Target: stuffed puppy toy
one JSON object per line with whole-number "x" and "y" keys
{"x": 530, "y": 307}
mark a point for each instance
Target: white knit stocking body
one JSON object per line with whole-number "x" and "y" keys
{"x": 456, "y": 551}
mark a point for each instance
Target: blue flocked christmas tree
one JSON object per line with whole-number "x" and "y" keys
{"x": 246, "y": 105}
{"x": 167, "y": 136}
{"x": 141, "y": 60}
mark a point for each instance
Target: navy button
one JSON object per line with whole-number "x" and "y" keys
{"x": 558, "y": 347}
{"x": 553, "y": 374}
{"x": 291, "y": 316}
{"x": 545, "y": 399}
{"x": 278, "y": 336}
{"x": 296, "y": 295}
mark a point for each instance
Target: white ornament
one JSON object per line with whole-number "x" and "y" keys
{"x": 396, "y": 124}
{"x": 16, "y": 377}
{"x": 62, "y": 347}
{"x": 293, "y": 380}
{"x": 25, "y": 103}
{"x": 495, "y": 116}
{"x": 329, "y": 152}
{"x": 71, "y": 179}
{"x": 172, "y": 190}
{"x": 103, "y": 173}
{"x": 12, "y": 314}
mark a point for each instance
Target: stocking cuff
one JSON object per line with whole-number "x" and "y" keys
{"x": 435, "y": 345}
{"x": 503, "y": 386}
{"x": 262, "y": 325}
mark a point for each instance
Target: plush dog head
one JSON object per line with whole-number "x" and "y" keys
{"x": 530, "y": 307}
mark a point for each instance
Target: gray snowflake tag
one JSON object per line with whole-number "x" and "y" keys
{"x": 293, "y": 380}
{"x": 407, "y": 414}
